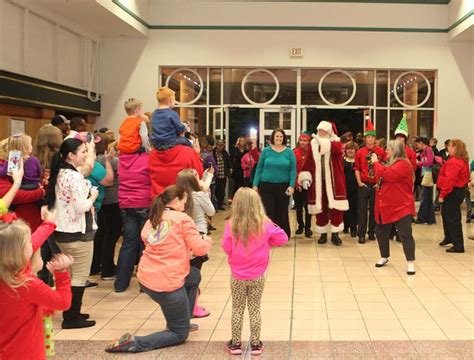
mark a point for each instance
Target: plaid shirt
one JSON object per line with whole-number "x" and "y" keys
{"x": 220, "y": 165}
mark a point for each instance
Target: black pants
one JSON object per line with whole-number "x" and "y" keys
{"x": 276, "y": 203}
{"x": 220, "y": 191}
{"x": 301, "y": 202}
{"x": 237, "y": 183}
{"x": 451, "y": 214}
{"x": 426, "y": 213}
{"x": 366, "y": 203}
{"x": 404, "y": 230}
{"x": 109, "y": 222}
{"x": 350, "y": 216}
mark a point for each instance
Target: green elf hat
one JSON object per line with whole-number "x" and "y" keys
{"x": 369, "y": 128}
{"x": 402, "y": 128}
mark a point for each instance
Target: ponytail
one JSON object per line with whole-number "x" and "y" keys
{"x": 58, "y": 163}
{"x": 158, "y": 205}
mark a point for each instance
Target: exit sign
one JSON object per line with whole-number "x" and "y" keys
{"x": 296, "y": 52}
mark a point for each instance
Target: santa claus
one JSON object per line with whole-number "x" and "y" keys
{"x": 323, "y": 175}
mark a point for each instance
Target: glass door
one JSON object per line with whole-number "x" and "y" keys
{"x": 270, "y": 119}
{"x": 219, "y": 125}
{"x": 351, "y": 119}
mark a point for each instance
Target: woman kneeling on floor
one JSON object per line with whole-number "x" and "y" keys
{"x": 164, "y": 272}
{"x": 394, "y": 203}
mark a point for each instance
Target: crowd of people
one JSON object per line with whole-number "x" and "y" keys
{"x": 75, "y": 193}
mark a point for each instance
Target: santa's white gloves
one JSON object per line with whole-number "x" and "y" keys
{"x": 305, "y": 184}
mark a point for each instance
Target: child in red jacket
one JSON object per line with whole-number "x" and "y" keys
{"x": 22, "y": 295}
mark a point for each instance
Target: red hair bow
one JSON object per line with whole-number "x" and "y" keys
{"x": 8, "y": 217}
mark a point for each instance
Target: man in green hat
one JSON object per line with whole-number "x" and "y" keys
{"x": 366, "y": 180}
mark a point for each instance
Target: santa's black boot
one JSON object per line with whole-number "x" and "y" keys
{"x": 323, "y": 239}
{"x": 335, "y": 239}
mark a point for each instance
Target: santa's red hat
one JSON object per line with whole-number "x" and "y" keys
{"x": 369, "y": 127}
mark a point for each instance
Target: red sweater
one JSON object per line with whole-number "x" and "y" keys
{"x": 21, "y": 318}
{"x": 362, "y": 165}
{"x": 165, "y": 165}
{"x": 394, "y": 200}
{"x": 411, "y": 155}
{"x": 24, "y": 200}
{"x": 453, "y": 174}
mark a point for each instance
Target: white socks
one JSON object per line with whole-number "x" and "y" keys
{"x": 411, "y": 268}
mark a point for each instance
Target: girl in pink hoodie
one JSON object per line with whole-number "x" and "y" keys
{"x": 248, "y": 237}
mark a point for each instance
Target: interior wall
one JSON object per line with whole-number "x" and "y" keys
{"x": 301, "y": 13}
{"x": 34, "y": 44}
{"x": 130, "y": 67}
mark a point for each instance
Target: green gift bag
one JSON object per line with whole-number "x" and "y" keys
{"x": 48, "y": 335}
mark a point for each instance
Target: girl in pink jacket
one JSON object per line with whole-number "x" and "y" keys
{"x": 248, "y": 238}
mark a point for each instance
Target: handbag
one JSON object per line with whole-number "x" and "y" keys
{"x": 427, "y": 179}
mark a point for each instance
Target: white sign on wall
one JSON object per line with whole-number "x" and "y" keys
{"x": 17, "y": 126}
{"x": 296, "y": 52}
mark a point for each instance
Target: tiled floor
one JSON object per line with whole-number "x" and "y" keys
{"x": 324, "y": 300}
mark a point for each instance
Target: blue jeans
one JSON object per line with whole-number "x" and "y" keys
{"x": 426, "y": 212}
{"x": 132, "y": 246}
{"x": 177, "y": 308}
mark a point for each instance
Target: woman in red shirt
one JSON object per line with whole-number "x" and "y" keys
{"x": 394, "y": 203}
{"x": 452, "y": 180}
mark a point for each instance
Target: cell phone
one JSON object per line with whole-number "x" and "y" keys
{"x": 14, "y": 160}
{"x": 89, "y": 137}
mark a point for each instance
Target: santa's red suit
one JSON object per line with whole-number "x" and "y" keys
{"x": 327, "y": 186}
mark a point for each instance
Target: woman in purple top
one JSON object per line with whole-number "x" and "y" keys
{"x": 426, "y": 214}
{"x": 32, "y": 167}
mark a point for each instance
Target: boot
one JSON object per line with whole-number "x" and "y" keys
{"x": 72, "y": 318}
{"x": 198, "y": 311}
{"x": 323, "y": 239}
{"x": 308, "y": 233}
{"x": 336, "y": 240}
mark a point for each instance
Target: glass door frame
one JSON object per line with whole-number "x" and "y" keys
{"x": 266, "y": 132}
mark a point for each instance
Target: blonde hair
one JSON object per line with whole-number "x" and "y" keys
{"x": 4, "y": 149}
{"x": 460, "y": 151}
{"x": 187, "y": 180}
{"x": 247, "y": 215}
{"x": 131, "y": 105}
{"x": 48, "y": 141}
{"x": 21, "y": 143}
{"x": 164, "y": 93}
{"x": 13, "y": 239}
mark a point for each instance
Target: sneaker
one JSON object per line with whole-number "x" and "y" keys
{"x": 193, "y": 327}
{"x": 411, "y": 268}
{"x": 109, "y": 278}
{"x": 125, "y": 344}
{"x": 233, "y": 349}
{"x": 256, "y": 349}
{"x": 91, "y": 285}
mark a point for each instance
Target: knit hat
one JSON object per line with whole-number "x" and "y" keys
{"x": 402, "y": 128}
{"x": 369, "y": 128}
{"x": 305, "y": 135}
